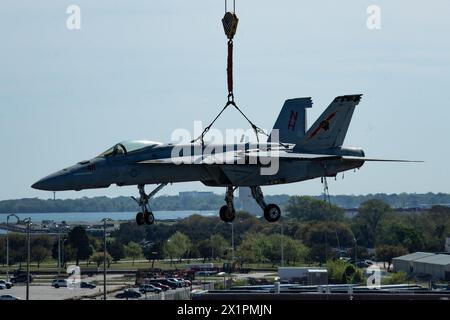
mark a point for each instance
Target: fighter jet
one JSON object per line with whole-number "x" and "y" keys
{"x": 291, "y": 154}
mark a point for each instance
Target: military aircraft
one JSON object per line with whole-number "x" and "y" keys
{"x": 298, "y": 154}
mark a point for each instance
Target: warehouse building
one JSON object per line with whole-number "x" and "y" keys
{"x": 424, "y": 263}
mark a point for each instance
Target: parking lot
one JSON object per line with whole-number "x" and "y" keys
{"x": 41, "y": 289}
{"x": 47, "y": 292}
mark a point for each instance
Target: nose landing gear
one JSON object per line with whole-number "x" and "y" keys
{"x": 146, "y": 215}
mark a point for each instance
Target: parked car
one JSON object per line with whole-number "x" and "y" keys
{"x": 21, "y": 278}
{"x": 2, "y": 286}
{"x": 174, "y": 283}
{"x": 186, "y": 283}
{"x": 87, "y": 285}
{"x": 167, "y": 282}
{"x": 144, "y": 288}
{"x": 160, "y": 285}
{"x": 7, "y": 284}
{"x": 205, "y": 273}
{"x": 58, "y": 283}
{"x": 179, "y": 282}
{"x": 129, "y": 294}
{"x": 9, "y": 297}
{"x": 363, "y": 263}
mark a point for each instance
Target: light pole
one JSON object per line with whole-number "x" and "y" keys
{"x": 282, "y": 244}
{"x": 59, "y": 247}
{"x": 232, "y": 239}
{"x": 28, "y": 222}
{"x": 7, "y": 241}
{"x": 104, "y": 256}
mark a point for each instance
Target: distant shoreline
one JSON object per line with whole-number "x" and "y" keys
{"x": 205, "y": 201}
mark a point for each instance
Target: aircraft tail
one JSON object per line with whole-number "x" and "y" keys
{"x": 331, "y": 127}
{"x": 291, "y": 122}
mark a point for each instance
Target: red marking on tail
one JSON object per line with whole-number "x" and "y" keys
{"x": 292, "y": 120}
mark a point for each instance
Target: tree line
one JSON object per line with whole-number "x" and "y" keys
{"x": 312, "y": 231}
{"x": 203, "y": 202}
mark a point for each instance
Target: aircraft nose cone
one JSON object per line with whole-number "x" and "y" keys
{"x": 49, "y": 183}
{"x": 43, "y": 184}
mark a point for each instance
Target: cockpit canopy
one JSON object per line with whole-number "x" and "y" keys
{"x": 125, "y": 147}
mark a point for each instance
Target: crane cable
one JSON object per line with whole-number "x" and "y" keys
{"x": 230, "y": 23}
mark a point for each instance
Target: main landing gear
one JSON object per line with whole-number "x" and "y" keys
{"x": 227, "y": 212}
{"x": 145, "y": 216}
{"x": 272, "y": 212}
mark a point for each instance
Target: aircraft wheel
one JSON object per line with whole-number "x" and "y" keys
{"x": 226, "y": 215}
{"x": 140, "y": 218}
{"x": 149, "y": 218}
{"x": 272, "y": 213}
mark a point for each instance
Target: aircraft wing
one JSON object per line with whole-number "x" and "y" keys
{"x": 240, "y": 156}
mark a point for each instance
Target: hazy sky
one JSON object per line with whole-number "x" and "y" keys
{"x": 139, "y": 69}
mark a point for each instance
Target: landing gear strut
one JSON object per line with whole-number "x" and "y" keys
{"x": 272, "y": 212}
{"x": 145, "y": 216}
{"x": 227, "y": 212}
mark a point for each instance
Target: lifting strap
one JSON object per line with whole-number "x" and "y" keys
{"x": 230, "y": 22}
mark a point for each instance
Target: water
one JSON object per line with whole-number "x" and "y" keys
{"x": 98, "y": 216}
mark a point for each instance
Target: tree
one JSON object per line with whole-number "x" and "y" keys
{"x": 204, "y": 249}
{"x": 152, "y": 252}
{"x": 39, "y": 253}
{"x": 68, "y": 253}
{"x": 386, "y": 253}
{"x": 116, "y": 249}
{"x": 2, "y": 251}
{"x": 99, "y": 257}
{"x": 129, "y": 232}
{"x": 397, "y": 232}
{"x": 218, "y": 245}
{"x": 361, "y": 253}
{"x": 334, "y": 234}
{"x": 294, "y": 250}
{"x": 42, "y": 240}
{"x": 305, "y": 208}
{"x": 252, "y": 248}
{"x": 176, "y": 246}
{"x": 79, "y": 241}
{"x": 17, "y": 249}
{"x": 367, "y": 222}
{"x": 133, "y": 251}
{"x": 341, "y": 272}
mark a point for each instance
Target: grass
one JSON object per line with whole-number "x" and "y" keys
{"x": 50, "y": 265}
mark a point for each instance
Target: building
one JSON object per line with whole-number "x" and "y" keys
{"x": 248, "y": 204}
{"x": 303, "y": 275}
{"x": 424, "y": 263}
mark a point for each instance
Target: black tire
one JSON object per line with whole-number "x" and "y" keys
{"x": 140, "y": 219}
{"x": 227, "y": 215}
{"x": 272, "y": 213}
{"x": 149, "y": 218}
